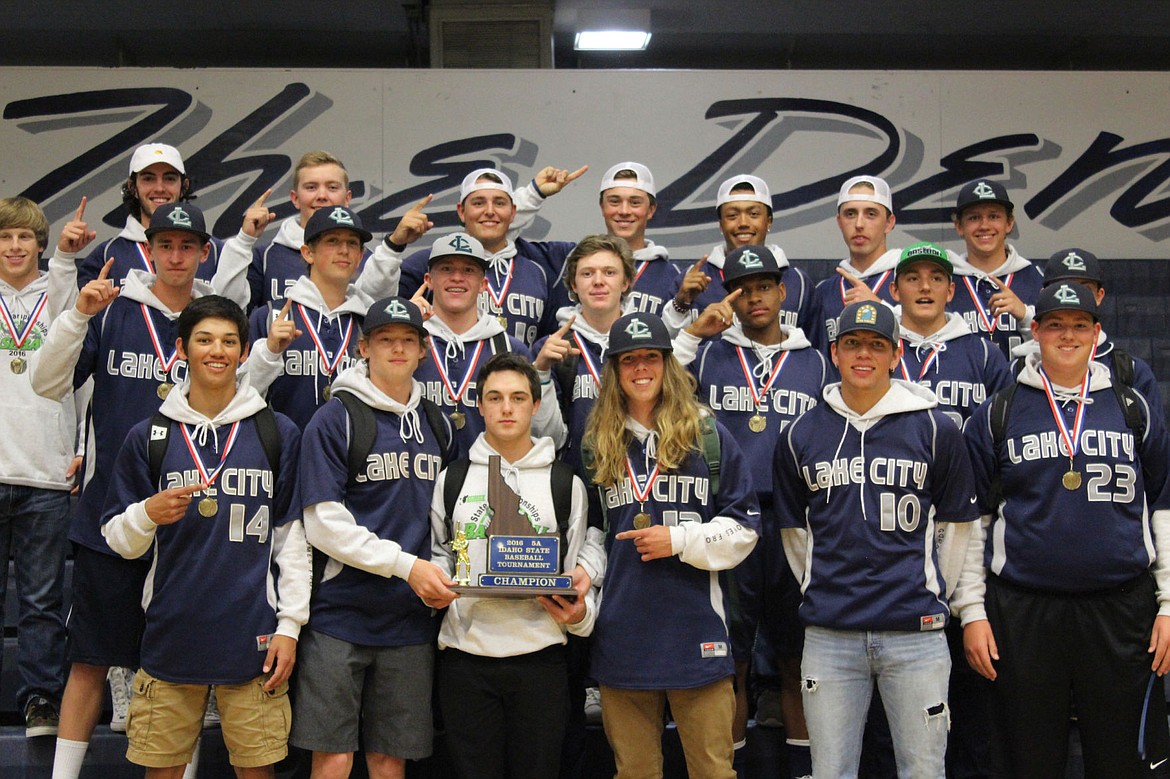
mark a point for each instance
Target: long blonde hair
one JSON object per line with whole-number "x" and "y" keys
{"x": 676, "y": 418}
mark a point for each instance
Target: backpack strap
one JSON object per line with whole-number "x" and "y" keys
{"x": 1131, "y": 407}
{"x": 156, "y": 446}
{"x": 561, "y": 483}
{"x": 362, "y": 430}
{"x": 500, "y": 343}
{"x": 438, "y": 425}
{"x": 712, "y": 453}
{"x": 269, "y": 437}
{"x": 456, "y": 475}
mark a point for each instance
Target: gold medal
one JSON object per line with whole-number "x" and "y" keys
{"x": 503, "y": 320}
{"x": 327, "y": 393}
{"x": 757, "y": 423}
{"x": 1071, "y": 480}
{"x": 208, "y": 507}
{"x": 641, "y": 520}
{"x": 459, "y": 419}
{"x": 163, "y": 390}
{"x": 18, "y": 365}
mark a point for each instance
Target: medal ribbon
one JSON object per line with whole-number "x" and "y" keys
{"x": 144, "y": 252}
{"x": 638, "y": 273}
{"x": 439, "y": 366}
{"x": 881, "y": 280}
{"x": 980, "y": 306}
{"x": 330, "y": 365}
{"x": 1072, "y": 440}
{"x": 930, "y": 360}
{"x": 588, "y": 360}
{"x": 747, "y": 374}
{"x": 498, "y": 300}
{"x": 10, "y": 321}
{"x": 643, "y": 495}
{"x": 166, "y": 362}
{"x": 209, "y": 478}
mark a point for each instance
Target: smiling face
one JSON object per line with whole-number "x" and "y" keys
{"x": 176, "y": 255}
{"x": 19, "y": 253}
{"x": 1066, "y": 340}
{"x": 744, "y": 222}
{"x": 640, "y": 376}
{"x": 866, "y": 361}
{"x": 456, "y": 283}
{"x": 334, "y": 257}
{"x": 157, "y": 185}
{"x": 318, "y": 186}
{"x": 487, "y": 214}
{"x": 626, "y": 212}
{"x": 985, "y": 228}
{"x": 923, "y": 289}
{"x": 213, "y": 352}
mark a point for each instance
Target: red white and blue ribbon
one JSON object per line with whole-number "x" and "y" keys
{"x": 758, "y": 395}
{"x": 10, "y": 321}
{"x": 931, "y": 359}
{"x": 165, "y": 362}
{"x": 981, "y": 307}
{"x": 1071, "y": 438}
{"x": 456, "y": 395}
{"x": 330, "y": 364}
{"x": 209, "y": 478}
{"x": 881, "y": 280}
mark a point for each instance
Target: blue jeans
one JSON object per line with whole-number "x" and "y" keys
{"x": 33, "y": 527}
{"x": 838, "y": 670}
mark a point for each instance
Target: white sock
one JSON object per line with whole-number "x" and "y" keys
{"x": 192, "y": 768}
{"x": 68, "y": 757}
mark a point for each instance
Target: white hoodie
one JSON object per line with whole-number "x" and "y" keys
{"x": 506, "y": 627}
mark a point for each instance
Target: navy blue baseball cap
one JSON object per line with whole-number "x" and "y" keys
{"x": 1072, "y": 264}
{"x": 638, "y": 331}
{"x": 982, "y": 191}
{"x": 393, "y": 311}
{"x": 1066, "y": 296}
{"x": 328, "y": 218}
{"x": 867, "y": 315}
{"x": 750, "y": 260}
{"x": 182, "y": 216}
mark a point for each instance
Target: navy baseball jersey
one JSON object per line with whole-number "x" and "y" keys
{"x": 869, "y": 491}
{"x": 973, "y": 289}
{"x": 577, "y": 391}
{"x": 662, "y": 624}
{"x": 797, "y": 308}
{"x": 1049, "y": 537}
{"x": 960, "y": 368}
{"x": 656, "y": 281}
{"x": 391, "y": 499}
{"x": 198, "y": 629}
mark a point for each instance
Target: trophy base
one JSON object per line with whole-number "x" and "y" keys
{"x": 518, "y": 586}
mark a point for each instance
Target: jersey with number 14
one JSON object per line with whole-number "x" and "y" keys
{"x": 210, "y": 595}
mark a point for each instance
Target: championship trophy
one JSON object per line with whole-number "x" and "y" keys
{"x": 520, "y": 563}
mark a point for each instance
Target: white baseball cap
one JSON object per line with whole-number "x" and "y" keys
{"x": 470, "y": 183}
{"x": 881, "y": 192}
{"x": 759, "y": 195}
{"x": 147, "y": 155}
{"x": 644, "y": 179}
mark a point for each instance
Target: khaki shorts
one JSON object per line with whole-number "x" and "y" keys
{"x": 166, "y": 719}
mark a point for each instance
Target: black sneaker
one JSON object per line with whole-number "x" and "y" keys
{"x": 40, "y": 717}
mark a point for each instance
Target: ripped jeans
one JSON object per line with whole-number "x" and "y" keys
{"x": 838, "y": 670}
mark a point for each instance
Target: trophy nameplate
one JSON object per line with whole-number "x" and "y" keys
{"x": 520, "y": 563}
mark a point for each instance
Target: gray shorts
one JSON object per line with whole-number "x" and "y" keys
{"x": 384, "y": 691}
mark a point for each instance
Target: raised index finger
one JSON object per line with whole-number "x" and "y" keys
{"x": 260, "y": 201}
{"x": 284, "y": 311}
{"x": 851, "y": 278}
{"x": 190, "y": 489}
{"x": 566, "y": 327}
{"x": 698, "y": 266}
{"x": 105, "y": 273}
{"x": 997, "y": 282}
{"x": 420, "y": 205}
{"x": 578, "y": 173}
{"x": 80, "y": 215}
{"x": 734, "y": 294}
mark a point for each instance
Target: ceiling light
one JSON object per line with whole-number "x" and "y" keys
{"x": 611, "y": 40}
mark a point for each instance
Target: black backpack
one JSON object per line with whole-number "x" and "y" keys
{"x": 363, "y": 429}
{"x": 160, "y": 439}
